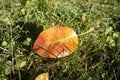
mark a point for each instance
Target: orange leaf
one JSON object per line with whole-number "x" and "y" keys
{"x": 56, "y": 42}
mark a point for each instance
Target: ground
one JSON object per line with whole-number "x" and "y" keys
{"x": 97, "y": 56}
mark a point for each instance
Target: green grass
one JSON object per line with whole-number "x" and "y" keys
{"x": 97, "y": 56}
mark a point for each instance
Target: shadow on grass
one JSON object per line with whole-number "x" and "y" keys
{"x": 30, "y": 30}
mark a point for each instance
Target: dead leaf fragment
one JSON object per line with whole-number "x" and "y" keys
{"x": 43, "y": 76}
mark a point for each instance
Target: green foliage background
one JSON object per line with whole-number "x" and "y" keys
{"x": 98, "y": 53}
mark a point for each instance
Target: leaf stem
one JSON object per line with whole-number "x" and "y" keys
{"x": 90, "y": 30}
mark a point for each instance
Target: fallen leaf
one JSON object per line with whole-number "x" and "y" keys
{"x": 43, "y": 76}
{"x": 56, "y": 42}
